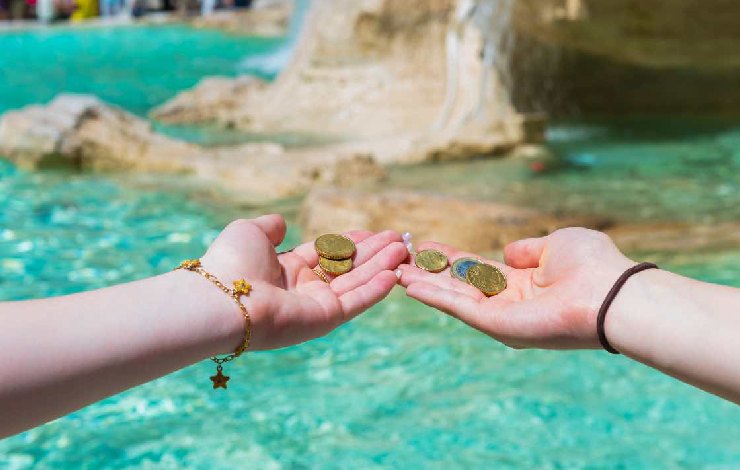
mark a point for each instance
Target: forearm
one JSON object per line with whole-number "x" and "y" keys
{"x": 686, "y": 328}
{"x": 62, "y": 353}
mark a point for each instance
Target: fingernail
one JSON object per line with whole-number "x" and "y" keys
{"x": 398, "y": 273}
{"x": 406, "y": 236}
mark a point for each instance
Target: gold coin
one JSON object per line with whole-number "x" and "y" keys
{"x": 332, "y": 246}
{"x": 433, "y": 261}
{"x": 486, "y": 278}
{"x": 335, "y": 267}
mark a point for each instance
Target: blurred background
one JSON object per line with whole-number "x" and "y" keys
{"x": 132, "y": 131}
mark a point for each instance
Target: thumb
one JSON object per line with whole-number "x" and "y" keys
{"x": 274, "y": 227}
{"x": 525, "y": 253}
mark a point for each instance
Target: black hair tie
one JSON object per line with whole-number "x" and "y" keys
{"x": 601, "y": 317}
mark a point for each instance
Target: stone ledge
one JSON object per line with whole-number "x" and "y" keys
{"x": 468, "y": 224}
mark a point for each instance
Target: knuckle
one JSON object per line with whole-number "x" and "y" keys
{"x": 240, "y": 223}
{"x": 571, "y": 232}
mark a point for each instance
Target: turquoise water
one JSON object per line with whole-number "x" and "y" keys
{"x": 401, "y": 387}
{"x": 137, "y": 67}
{"x": 670, "y": 169}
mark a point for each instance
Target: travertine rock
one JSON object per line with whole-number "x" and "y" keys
{"x": 483, "y": 227}
{"x": 214, "y": 99}
{"x": 82, "y": 132}
{"x": 378, "y": 73}
{"x": 468, "y": 224}
{"x": 653, "y": 33}
{"x": 273, "y": 173}
{"x": 675, "y": 236}
{"x": 648, "y": 57}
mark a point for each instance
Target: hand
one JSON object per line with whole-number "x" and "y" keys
{"x": 555, "y": 286}
{"x": 288, "y": 303}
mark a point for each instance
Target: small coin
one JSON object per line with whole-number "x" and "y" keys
{"x": 335, "y": 267}
{"x": 486, "y": 278}
{"x": 332, "y": 246}
{"x": 460, "y": 268}
{"x": 433, "y": 261}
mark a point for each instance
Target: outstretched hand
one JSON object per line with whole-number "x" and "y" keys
{"x": 289, "y": 303}
{"x": 555, "y": 286}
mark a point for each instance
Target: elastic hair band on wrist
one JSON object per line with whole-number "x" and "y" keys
{"x": 601, "y": 317}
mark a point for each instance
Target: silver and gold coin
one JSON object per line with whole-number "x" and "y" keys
{"x": 486, "y": 278}
{"x": 335, "y": 267}
{"x": 433, "y": 261}
{"x": 460, "y": 268}
{"x": 335, "y": 247}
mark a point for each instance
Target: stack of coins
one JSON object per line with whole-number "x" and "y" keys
{"x": 484, "y": 277}
{"x": 335, "y": 253}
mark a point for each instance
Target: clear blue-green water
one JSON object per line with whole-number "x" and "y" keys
{"x": 646, "y": 169}
{"x": 137, "y": 67}
{"x": 401, "y": 387}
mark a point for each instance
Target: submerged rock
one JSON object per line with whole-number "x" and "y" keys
{"x": 274, "y": 173}
{"x": 82, "y": 132}
{"x": 477, "y": 226}
{"x": 481, "y": 227}
{"x": 676, "y": 236}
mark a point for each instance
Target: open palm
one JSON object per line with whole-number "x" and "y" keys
{"x": 289, "y": 303}
{"x": 555, "y": 285}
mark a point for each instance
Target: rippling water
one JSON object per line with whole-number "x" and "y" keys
{"x": 667, "y": 169}
{"x": 137, "y": 67}
{"x": 401, "y": 387}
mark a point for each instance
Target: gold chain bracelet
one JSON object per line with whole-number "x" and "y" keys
{"x": 241, "y": 287}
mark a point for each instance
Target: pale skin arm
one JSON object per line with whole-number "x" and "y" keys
{"x": 62, "y": 353}
{"x": 685, "y": 328}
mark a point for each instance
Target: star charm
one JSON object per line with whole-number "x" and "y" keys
{"x": 242, "y": 287}
{"x": 190, "y": 264}
{"x": 219, "y": 380}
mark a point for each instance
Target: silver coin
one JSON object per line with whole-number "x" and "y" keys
{"x": 460, "y": 268}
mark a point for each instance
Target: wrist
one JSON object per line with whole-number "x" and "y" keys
{"x": 603, "y": 280}
{"x": 631, "y": 322}
{"x": 214, "y": 313}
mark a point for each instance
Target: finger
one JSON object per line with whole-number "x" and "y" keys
{"x": 363, "y": 297}
{"x": 455, "y": 254}
{"x": 525, "y": 253}
{"x": 307, "y": 251}
{"x": 449, "y": 301}
{"x": 388, "y": 258}
{"x": 371, "y": 246}
{"x": 411, "y": 274}
{"x": 274, "y": 227}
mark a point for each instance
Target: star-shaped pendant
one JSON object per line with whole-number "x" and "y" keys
{"x": 219, "y": 380}
{"x": 242, "y": 287}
